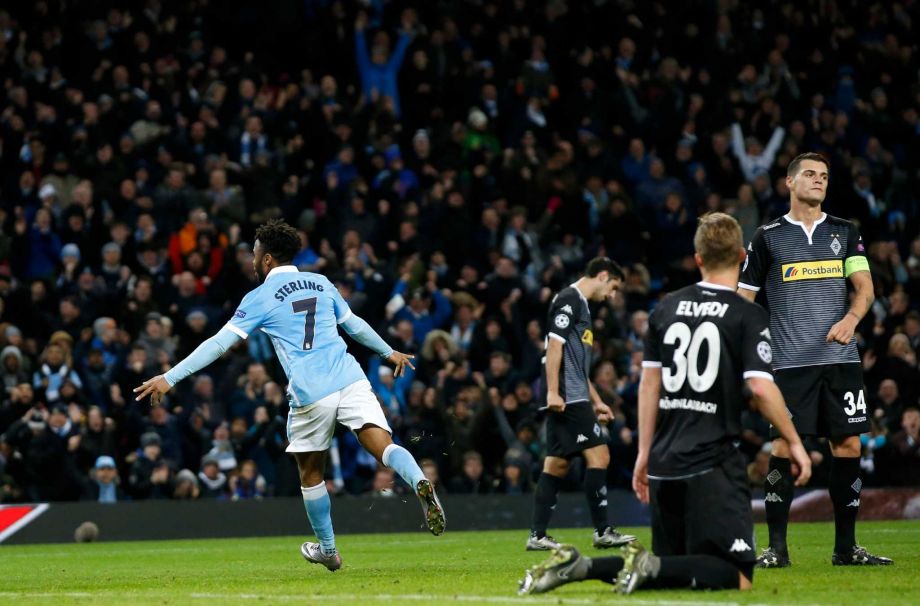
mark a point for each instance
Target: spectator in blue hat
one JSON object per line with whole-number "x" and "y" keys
{"x": 103, "y": 485}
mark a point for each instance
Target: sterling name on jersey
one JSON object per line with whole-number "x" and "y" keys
{"x": 707, "y": 340}
{"x": 805, "y": 277}
{"x": 569, "y": 322}
{"x": 300, "y": 311}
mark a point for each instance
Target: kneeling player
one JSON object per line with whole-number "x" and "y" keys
{"x": 705, "y": 345}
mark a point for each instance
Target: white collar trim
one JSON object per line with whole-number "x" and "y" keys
{"x": 573, "y": 285}
{"x": 705, "y": 284}
{"x": 283, "y": 269}
{"x": 814, "y": 226}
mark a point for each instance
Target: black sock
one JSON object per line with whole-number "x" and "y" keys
{"x": 543, "y": 503}
{"x": 596, "y": 491}
{"x": 845, "y": 486}
{"x": 696, "y": 572}
{"x": 605, "y": 569}
{"x": 777, "y": 499}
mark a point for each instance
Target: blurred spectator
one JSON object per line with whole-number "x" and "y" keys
{"x": 11, "y": 364}
{"x": 97, "y": 439}
{"x": 186, "y": 486}
{"x": 906, "y": 447}
{"x": 379, "y": 69}
{"x": 753, "y": 157}
{"x": 103, "y": 485}
{"x": 53, "y": 372}
{"x": 383, "y": 484}
{"x": 248, "y": 484}
{"x": 888, "y": 406}
{"x": 149, "y": 475}
{"x": 471, "y": 479}
{"x": 213, "y": 480}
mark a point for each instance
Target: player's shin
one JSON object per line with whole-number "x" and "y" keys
{"x": 845, "y": 486}
{"x": 319, "y": 511}
{"x": 596, "y": 491}
{"x": 778, "y": 493}
{"x": 544, "y": 502}
{"x": 604, "y": 569}
{"x": 402, "y": 462}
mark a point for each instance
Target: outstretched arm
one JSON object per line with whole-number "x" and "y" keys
{"x": 360, "y": 331}
{"x": 738, "y": 143}
{"x": 364, "y": 62}
{"x": 769, "y": 153}
{"x": 405, "y": 39}
{"x": 203, "y": 355}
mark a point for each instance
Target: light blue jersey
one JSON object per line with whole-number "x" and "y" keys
{"x": 300, "y": 312}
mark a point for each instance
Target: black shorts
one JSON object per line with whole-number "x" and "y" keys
{"x": 827, "y": 401}
{"x": 573, "y": 430}
{"x": 706, "y": 514}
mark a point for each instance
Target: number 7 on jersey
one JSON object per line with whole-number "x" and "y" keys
{"x": 309, "y": 306}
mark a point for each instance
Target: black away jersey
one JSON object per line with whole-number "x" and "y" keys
{"x": 569, "y": 321}
{"x": 805, "y": 278}
{"x": 707, "y": 340}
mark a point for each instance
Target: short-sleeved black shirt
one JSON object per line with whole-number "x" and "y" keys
{"x": 569, "y": 321}
{"x": 707, "y": 340}
{"x": 805, "y": 279}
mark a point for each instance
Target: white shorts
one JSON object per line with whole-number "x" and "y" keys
{"x": 310, "y": 428}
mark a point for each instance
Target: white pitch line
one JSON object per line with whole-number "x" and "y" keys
{"x": 49, "y": 595}
{"x": 415, "y": 597}
{"x": 430, "y": 597}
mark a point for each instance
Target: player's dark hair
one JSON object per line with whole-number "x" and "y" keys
{"x": 279, "y": 239}
{"x": 793, "y": 167}
{"x": 717, "y": 240}
{"x": 599, "y": 264}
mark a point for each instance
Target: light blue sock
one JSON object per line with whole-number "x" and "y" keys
{"x": 401, "y": 461}
{"x": 319, "y": 507}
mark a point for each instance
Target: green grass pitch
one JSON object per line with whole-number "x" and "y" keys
{"x": 459, "y": 567}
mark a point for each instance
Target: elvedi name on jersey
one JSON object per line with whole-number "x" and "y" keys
{"x": 294, "y": 286}
{"x": 696, "y": 309}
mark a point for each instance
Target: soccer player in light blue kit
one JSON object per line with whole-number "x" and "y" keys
{"x": 300, "y": 311}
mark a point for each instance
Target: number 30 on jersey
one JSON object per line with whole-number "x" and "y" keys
{"x": 686, "y": 357}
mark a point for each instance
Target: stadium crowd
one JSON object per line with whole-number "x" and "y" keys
{"x": 449, "y": 165}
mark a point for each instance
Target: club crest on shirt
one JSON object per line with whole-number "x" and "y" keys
{"x": 835, "y": 246}
{"x": 765, "y": 352}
